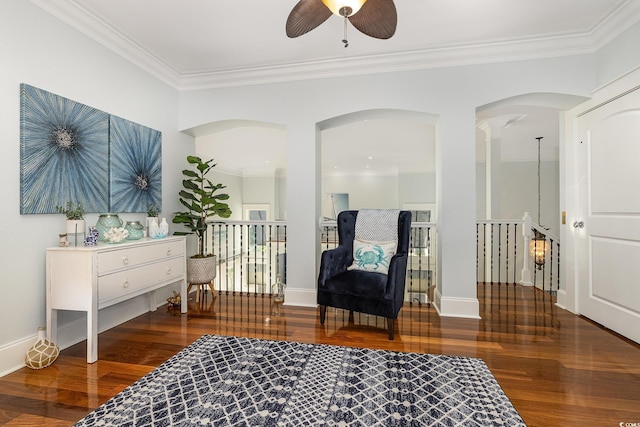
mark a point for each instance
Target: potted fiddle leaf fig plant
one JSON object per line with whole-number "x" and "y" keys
{"x": 203, "y": 200}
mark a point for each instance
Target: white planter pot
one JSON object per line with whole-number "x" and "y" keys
{"x": 201, "y": 270}
{"x": 75, "y": 226}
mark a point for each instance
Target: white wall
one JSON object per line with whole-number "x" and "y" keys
{"x": 519, "y": 192}
{"x": 518, "y": 187}
{"x": 281, "y": 202}
{"x": 365, "y": 191}
{"x": 233, "y": 188}
{"x": 260, "y": 190}
{"x": 619, "y": 57}
{"x": 481, "y": 191}
{"x": 416, "y": 188}
{"x": 382, "y": 191}
{"x": 38, "y": 49}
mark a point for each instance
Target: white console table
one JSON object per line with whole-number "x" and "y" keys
{"x": 89, "y": 278}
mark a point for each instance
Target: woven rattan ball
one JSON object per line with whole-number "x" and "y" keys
{"x": 41, "y": 354}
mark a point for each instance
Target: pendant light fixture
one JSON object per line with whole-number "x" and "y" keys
{"x": 539, "y": 247}
{"x": 344, "y": 8}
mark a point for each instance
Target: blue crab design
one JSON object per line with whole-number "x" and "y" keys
{"x": 373, "y": 257}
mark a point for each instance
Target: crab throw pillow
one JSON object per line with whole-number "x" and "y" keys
{"x": 372, "y": 256}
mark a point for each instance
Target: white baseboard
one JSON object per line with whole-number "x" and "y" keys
{"x": 436, "y": 300}
{"x": 12, "y": 354}
{"x": 301, "y": 297}
{"x": 561, "y": 299}
{"x": 456, "y": 307}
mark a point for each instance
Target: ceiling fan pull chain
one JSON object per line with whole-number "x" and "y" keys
{"x": 346, "y": 43}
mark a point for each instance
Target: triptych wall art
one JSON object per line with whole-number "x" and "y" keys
{"x": 72, "y": 152}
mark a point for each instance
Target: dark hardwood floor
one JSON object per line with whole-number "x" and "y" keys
{"x": 558, "y": 369}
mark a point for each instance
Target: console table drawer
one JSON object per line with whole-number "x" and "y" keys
{"x": 126, "y": 257}
{"x": 121, "y": 284}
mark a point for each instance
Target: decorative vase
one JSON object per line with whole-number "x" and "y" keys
{"x": 153, "y": 226}
{"x": 135, "y": 229}
{"x": 106, "y": 222}
{"x": 41, "y": 354}
{"x": 158, "y": 231}
{"x": 164, "y": 227}
{"x": 278, "y": 290}
{"x": 92, "y": 237}
{"x": 201, "y": 270}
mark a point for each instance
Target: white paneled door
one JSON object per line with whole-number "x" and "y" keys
{"x": 608, "y": 155}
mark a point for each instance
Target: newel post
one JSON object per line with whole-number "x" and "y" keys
{"x": 526, "y": 233}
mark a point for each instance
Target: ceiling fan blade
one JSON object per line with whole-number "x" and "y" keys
{"x": 305, "y": 16}
{"x": 377, "y": 18}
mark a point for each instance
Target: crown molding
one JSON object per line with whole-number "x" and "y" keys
{"x": 588, "y": 42}
{"x": 77, "y": 16}
{"x": 612, "y": 26}
{"x": 394, "y": 62}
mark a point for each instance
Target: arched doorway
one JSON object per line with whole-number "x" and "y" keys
{"x": 385, "y": 159}
{"x": 520, "y": 161}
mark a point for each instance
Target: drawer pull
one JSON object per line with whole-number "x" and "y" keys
{"x": 125, "y": 283}
{"x": 125, "y": 260}
{"x": 169, "y": 252}
{"x": 168, "y": 271}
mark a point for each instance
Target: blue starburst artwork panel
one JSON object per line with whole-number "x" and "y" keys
{"x": 64, "y": 153}
{"x": 136, "y": 166}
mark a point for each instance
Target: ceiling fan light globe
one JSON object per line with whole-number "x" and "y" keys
{"x": 337, "y": 7}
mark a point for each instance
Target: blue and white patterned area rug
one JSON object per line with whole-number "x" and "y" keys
{"x": 231, "y": 381}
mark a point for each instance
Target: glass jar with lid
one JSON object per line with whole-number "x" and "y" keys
{"x": 106, "y": 221}
{"x": 135, "y": 229}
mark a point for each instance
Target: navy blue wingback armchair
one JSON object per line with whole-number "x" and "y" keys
{"x": 363, "y": 291}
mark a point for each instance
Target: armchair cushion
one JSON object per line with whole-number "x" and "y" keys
{"x": 358, "y": 283}
{"x": 372, "y": 256}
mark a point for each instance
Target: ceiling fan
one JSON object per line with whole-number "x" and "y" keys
{"x": 375, "y": 18}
